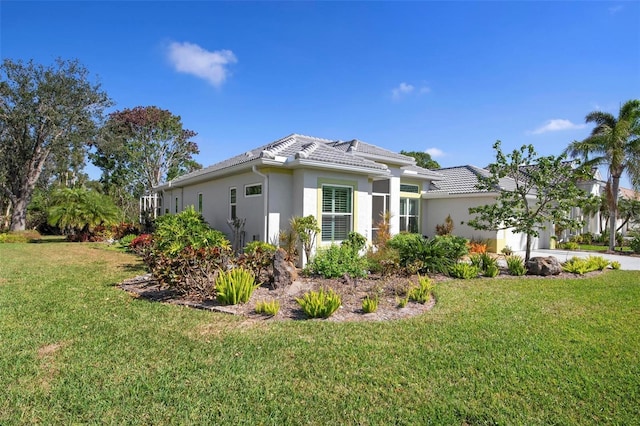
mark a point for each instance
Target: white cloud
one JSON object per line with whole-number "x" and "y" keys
{"x": 405, "y": 89}
{"x": 435, "y": 152}
{"x": 192, "y": 59}
{"x": 401, "y": 90}
{"x": 615, "y": 9}
{"x": 557, "y": 124}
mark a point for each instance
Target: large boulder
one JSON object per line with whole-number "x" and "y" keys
{"x": 544, "y": 266}
{"x": 284, "y": 272}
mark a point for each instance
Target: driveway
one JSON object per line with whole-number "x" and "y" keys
{"x": 629, "y": 263}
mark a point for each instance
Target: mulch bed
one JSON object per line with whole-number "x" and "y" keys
{"x": 352, "y": 291}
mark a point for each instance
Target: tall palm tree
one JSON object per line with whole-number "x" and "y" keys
{"x": 614, "y": 142}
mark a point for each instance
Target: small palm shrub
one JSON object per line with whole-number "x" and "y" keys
{"x": 419, "y": 254}
{"x": 464, "y": 271}
{"x": 515, "y": 265}
{"x": 268, "y": 308}
{"x": 235, "y": 286}
{"x": 369, "y": 304}
{"x": 421, "y": 292}
{"x": 320, "y": 304}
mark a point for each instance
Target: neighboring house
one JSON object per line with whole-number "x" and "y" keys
{"x": 456, "y": 192}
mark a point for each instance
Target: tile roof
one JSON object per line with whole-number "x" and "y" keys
{"x": 292, "y": 147}
{"x": 463, "y": 180}
{"x": 364, "y": 148}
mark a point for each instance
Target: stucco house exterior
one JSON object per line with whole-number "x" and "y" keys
{"x": 346, "y": 185}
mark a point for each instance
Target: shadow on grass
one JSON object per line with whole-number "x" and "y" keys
{"x": 50, "y": 239}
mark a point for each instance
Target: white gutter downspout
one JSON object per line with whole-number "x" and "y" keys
{"x": 254, "y": 169}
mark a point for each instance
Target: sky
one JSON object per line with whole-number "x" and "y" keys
{"x": 448, "y": 78}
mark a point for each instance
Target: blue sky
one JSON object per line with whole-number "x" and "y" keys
{"x": 449, "y": 78}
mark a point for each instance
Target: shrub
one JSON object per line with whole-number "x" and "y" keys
{"x": 446, "y": 228}
{"x": 421, "y": 292}
{"x": 491, "y": 271}
{"x": 20, "y": 236}
{"x": 127, "y": 240}
{"x": 192, "y": 271}
{"x": 615, "y": 265}
{"x": 507, "y": 251}
{"x": 515, "y": 265}
{"x": 336, "y": 261}
{"x": 575, "y": 265}
{"x": 569, "y": 245}
{"x": 141, "y": 243}
{"x": 174, "y": 232}
{"x": 454, "y": 247}
{"x": 258, "y": 257}
{"x": 418, "y": 254}
{"x": 477, "y": 246}
{"x": 464, "y": 271}
{"x": 385, "y": 260}
{"x": 635, "y": 242}
{"x": 306, "y": 229}
{"x": 268, "y": 308}
{"x": 320, "y": 304}
{"x": 369, "y": 304}
{"x": 597, "y": 263}
{"x": 235, "y": 286}
{"x": 402, "y": 301}
{"x": 355, "y": 242}
{"x": 587, "y": 238}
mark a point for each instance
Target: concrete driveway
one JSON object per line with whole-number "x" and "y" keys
{"x": 629, "y": 263}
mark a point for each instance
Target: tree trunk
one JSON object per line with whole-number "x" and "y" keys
{"x": 19, "y": 215}
{"x": 613, "y": 212}
{"x": 527, "y": 253}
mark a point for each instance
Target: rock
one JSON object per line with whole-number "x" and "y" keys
{"x": 284, "y": 272}
{"x": 544, "y": 266}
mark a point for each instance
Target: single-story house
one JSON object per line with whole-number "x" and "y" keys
{"x": 346, "y": 185}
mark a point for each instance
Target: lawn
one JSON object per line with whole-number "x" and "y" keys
{"x": 75, "y": 349}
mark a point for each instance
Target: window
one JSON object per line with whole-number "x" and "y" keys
{"x": 176, "y": 207}
{"x": 409, "y": 214}
{"x": 337, "y": 212}
{"x": 232, "y": 203}
{"x": 200, "y": 203}
{"x": 405, "y": 187}
{"x": 253, "y": 190}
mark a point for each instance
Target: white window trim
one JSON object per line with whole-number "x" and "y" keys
{"x": 231, "y": 205}
{"x": 351, "y": 214}
{"x": 249, "y": 186}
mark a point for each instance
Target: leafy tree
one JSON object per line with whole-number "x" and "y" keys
{"x": 614, "y": 142}
{"x": 423, "y": 159}
{"x": 141, "y": 147}
{"x": 46, "y": 115}
{"x": 629, "y": 211}
{"x": 544, "y": 191}
{"x": 79, "y": 210}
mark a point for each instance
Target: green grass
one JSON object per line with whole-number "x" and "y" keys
{"x": 75, "y": 349}
{"x": 601, "y": 249}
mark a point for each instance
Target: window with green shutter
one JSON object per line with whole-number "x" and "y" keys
{"x": 337, "y": 212}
